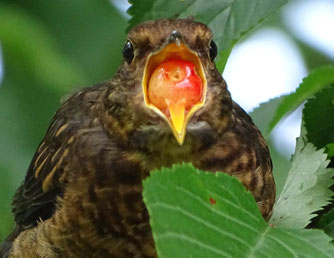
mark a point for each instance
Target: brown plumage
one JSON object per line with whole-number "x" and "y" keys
{"x": 82, "y": 193}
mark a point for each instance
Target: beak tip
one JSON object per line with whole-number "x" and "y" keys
{"x": 180, "y": 140}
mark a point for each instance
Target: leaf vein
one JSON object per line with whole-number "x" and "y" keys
{"x": 201, "y": 221}
{"x": 193, "y": 241}
{"x": 215, "y": 210}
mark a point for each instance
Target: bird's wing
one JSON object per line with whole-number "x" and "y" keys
{"x": 35, "y": 199}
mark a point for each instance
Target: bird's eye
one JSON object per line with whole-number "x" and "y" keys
{"x": 213, "y": 50}
{"x": 128, "y": 53}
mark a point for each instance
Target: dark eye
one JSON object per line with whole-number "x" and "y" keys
{"x": 128, "y": 52}
{"x": 213, "y": 50}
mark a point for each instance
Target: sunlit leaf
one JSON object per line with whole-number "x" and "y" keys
{"x": 199, "y": 214}
{"x": 306, "y": 189}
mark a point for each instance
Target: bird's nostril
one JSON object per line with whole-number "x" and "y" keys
{"x": 175, "y": 36}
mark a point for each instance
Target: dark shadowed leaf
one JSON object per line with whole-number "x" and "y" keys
{"x": 318, "y": 116}
{"x": 228, "y": 19}
{"x": 327, "y": 223}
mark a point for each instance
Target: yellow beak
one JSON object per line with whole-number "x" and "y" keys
{"x": 177, "y": 119}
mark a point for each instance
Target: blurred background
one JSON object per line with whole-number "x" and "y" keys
{"x": 49, "y": 49}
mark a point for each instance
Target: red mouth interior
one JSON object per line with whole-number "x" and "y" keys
{"x": 175, "y": 81}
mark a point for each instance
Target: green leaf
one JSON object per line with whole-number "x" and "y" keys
{"x": 275, "y": 109}
{"x": 327, "y": 223}
{"x": 228, "y": 19}
{"x": 330, "y": 150}
{"x": 306, "y": 189}
{"x": 200, "y": 214}
{"x": 318, "y": 116}
{"x": 314, "y": 82}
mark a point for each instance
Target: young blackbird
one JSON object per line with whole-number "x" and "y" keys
{"x": 82, "y": 195}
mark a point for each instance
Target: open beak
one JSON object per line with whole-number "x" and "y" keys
{"x": 173, "y": 106}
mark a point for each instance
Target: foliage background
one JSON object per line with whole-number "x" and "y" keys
{"x": 52, "y": 48}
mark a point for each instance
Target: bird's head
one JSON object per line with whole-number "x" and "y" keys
{"x": 170, "y": 83}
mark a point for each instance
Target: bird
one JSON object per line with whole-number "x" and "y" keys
{"x": 166, "y": 104}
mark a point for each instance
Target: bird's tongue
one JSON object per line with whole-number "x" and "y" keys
{"x": 174, "y": 87}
